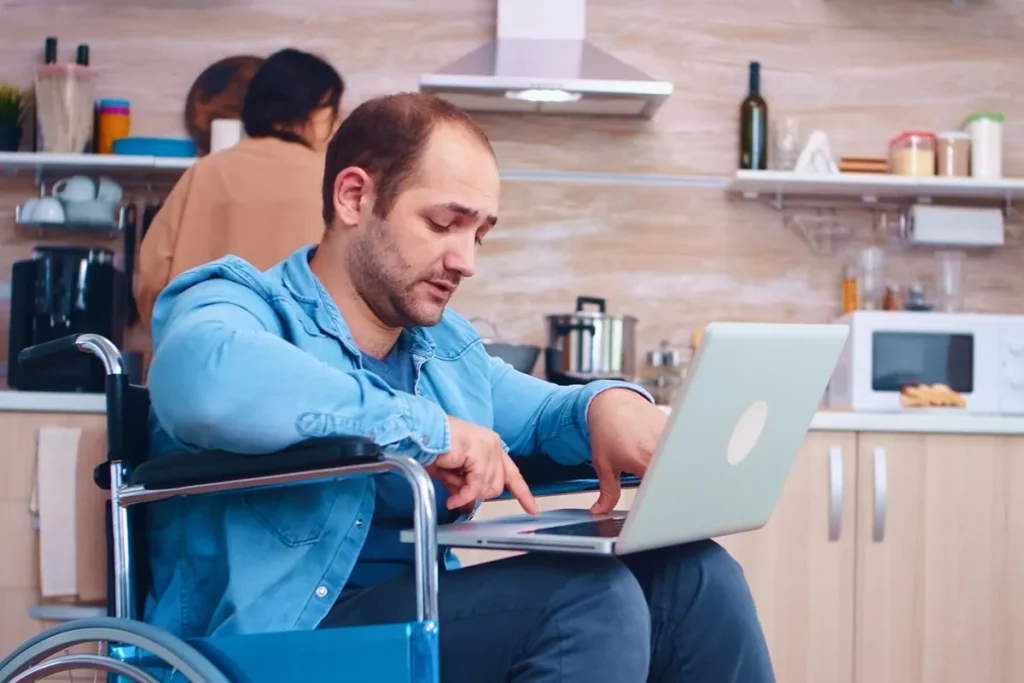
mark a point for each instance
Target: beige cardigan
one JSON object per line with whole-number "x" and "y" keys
{"x": 259, "y": 200}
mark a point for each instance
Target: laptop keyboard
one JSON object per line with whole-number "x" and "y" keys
{"x": 601, "y": 528}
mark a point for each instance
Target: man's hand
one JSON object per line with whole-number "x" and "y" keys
{"x": 624, "y": 431}
{"x": 478, "y": 468}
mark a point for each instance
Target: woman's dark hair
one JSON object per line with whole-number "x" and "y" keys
{"x": 285, "y": 91}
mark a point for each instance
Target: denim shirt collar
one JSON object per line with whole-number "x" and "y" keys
{"x": 310, "y": 294}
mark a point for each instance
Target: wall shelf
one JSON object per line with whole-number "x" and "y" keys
{"x": 869, "y": 188}
{"x": 811, "y": 201}
{"x": 169, "y": 167}
{"x": 13, "y": 162}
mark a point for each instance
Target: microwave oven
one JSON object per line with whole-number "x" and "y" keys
{"x": 979, "y": 356}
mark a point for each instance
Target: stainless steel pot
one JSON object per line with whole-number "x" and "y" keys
{"x": 590, "y": 344}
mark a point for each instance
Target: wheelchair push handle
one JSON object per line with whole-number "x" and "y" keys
{"x": 63, "y": 349}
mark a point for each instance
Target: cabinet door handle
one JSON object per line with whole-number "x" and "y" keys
{"x": 881, "y": 496}
{"x": 835, "y": 493}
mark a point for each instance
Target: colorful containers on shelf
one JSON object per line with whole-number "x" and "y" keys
{"x": 113, "y": 121}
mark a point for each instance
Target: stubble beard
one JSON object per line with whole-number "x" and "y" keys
{"x": 384, "y": 282}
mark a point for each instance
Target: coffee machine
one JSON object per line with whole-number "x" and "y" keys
{"x": 59, "y": 291}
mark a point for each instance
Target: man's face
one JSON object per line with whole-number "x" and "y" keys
{"x": 407, "y": 266}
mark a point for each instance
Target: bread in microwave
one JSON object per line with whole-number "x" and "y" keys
{"x": 931, "y": 396}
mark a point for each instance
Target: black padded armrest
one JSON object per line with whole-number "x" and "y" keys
{"x": 548, "y": 478}
{"x": 208, "y": 467}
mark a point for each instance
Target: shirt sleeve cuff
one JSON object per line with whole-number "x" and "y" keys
{"x": 427, "y": 424}
{"x": 592, "y": 390}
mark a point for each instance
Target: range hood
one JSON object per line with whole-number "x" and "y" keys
{"x": 540, "y": 62}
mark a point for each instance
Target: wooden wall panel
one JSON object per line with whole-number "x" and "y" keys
{"x": 861, "y": 71}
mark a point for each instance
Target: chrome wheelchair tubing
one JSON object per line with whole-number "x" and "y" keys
{"x": 123, "y": 607}
{"x": 425, "y": 526}
{"x": 104, "y": 349}
{"x": 424, "y": 517}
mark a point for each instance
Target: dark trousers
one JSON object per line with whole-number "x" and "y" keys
{"x": 672, "y": 615}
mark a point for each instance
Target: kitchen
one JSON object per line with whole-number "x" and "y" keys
{"x": 641, "y": 214}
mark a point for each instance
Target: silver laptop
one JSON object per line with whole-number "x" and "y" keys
{"x": 719, "y": 468}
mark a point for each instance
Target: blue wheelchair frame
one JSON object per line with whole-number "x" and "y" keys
{"x": 390, "y": 653}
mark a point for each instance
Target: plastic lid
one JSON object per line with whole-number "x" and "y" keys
{"x": 984, "y": 116}
{"x": 913, "y": 134}
{"x": 954, "y": 135}
{"x": 124, "y": 104}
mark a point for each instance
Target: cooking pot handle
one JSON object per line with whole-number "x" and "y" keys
{"x": 562, "y": 329}
{"x": 582, "y": 301}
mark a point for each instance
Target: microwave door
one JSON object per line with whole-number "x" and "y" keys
{"x": 902, "y": 359}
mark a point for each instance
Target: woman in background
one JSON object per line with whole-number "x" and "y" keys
{"x": 259, "y": 200}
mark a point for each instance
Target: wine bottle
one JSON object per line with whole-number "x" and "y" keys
{"x": 754, "y": 125}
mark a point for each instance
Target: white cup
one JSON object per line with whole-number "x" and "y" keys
{"x": 90, "y": 212}
{"x": 42, "y": 210}
{"x": 109, "y": 191}
{"x": 224, "y": 133}
{"x": 77, "y": 188}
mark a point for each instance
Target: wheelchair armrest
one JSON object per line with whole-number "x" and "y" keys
{"x": 175, "y": 470}
{"x": 549, "y": 478}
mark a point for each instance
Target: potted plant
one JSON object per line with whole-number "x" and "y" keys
{"x": 12, "y": 110}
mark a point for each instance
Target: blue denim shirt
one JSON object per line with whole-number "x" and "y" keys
{"x": 254, "y": 362}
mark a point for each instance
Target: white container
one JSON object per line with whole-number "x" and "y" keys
{"x": 986, "y": 131}
{"x": 224, "y": 133}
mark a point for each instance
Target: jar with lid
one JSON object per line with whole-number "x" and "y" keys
{"x": 664, "y": 373}
{"x": 891, "y": 301}
{"x": 113, "y": 122}
{"x": 986, "y": 131}
{"x": 912, "y": 153}
{"x": 916, "y": 299}
{"x": 953, "y": 154}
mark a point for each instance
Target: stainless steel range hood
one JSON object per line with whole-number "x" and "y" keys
{"x": 540, "y": 62}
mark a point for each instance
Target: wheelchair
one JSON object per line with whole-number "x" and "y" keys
{"x": 127, "y": 649}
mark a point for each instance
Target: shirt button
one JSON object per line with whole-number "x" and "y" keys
{"x": 426, "y": 440}
{"x": 359, "y": 522}
{"x": 321, "y": 592}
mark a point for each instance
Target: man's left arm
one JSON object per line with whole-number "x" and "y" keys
{"x": 534, "y": 416}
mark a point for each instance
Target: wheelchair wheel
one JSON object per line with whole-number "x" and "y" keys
{"x": 34, "y": 660}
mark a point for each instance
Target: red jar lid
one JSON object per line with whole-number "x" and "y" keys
{"x": 908, "y": 134}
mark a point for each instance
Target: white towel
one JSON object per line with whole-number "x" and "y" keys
{"x": 56, "y": 481}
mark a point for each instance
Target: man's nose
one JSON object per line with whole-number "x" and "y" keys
{"x": 461, "y": 256}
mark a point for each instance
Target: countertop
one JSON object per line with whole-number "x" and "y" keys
{"x": 939, "y": 422}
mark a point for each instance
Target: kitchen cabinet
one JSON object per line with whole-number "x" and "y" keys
{"x": 890, "y": 558}
{"x": 800, "y": 565}
{"x": 939, "y": 559}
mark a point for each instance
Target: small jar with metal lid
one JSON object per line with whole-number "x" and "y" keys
{"x": 664, "y": 373}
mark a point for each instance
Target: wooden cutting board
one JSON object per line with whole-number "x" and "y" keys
{"x": 218, "y": 93}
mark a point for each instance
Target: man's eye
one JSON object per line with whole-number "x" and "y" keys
{"x": 437, "y": 226}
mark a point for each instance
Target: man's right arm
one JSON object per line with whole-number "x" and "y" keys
{"x": 223, "y": 377}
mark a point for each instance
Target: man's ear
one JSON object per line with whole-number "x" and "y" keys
{"x": 353, "y": 188}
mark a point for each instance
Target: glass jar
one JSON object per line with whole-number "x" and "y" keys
{"x": 664, "y": 374}
{"x": 953, "y": 154}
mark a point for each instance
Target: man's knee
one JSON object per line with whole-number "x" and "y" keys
{"x": 707, "y": 575}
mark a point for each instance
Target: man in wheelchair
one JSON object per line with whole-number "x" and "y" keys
{"x": 352, "y": 337}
